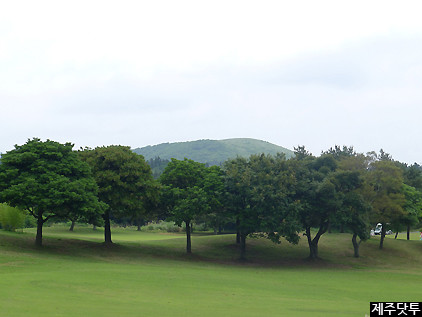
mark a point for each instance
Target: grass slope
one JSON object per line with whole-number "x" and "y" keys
{"x": 211, "y": 151}
{"x": 149, "y": 274}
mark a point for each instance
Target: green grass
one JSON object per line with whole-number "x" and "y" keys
{"x": 414, "y": 235}
{"x": 148, "y": 274}
{"x": 87, "y": 233}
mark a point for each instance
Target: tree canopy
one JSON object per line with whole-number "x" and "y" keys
{"x": 258, "y": 197}
{"x": 185, "y": 193}
{"x": 124, "y": 180}
{"x": 384, "y": 183}
{"x": 48, "y": 180}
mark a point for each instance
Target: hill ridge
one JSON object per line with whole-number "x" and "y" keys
{"x": 212, "y": 152}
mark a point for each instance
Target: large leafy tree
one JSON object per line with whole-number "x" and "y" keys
{"x": 412, "y": 190}
{"x": 258, "y": 195}
{"x": 150, "y": 204}
{"x": 239, "y": 185}
{"x": 384, "y": 190}
{"x": 355, "y": 209}
{"x": 237, "y": 182}
{"x": 214, "y": 189}
{"x": 49, "y": 180}
{"x": 316, "y": 195}
{"x": 124, "y": 180}
{"x": 412, "y": 209}
{"x": 273, "y": 185}
{"x": 184, "y": 193}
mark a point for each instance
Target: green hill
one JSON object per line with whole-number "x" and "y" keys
{"x": 212, "y": 152}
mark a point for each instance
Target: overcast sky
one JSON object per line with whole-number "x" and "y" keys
{"x": 137, "y": 73}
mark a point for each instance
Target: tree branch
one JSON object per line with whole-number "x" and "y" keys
{"x": 31, "y": 212}
{"x": 47, "y": 218}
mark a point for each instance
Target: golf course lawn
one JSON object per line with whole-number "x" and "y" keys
{"x": 76, "y": 275}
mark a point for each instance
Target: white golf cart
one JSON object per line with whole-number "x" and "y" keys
{"x": 378, "y": 229}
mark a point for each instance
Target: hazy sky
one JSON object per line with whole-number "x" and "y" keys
{"x": 137, "y": 73}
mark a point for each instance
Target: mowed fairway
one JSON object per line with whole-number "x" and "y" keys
{"x": 148, "y": 274}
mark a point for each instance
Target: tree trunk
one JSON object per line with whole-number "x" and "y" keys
{"x": 243, "y": 246}
{"x": 313, "y": 243}
{"x": 139, "y": 223}
{"x": 107, "y": 229}
{"x": 382, "y": 236}
{"x": 408, "y": 232}
{"x": 308, "y": 237}
{"x": 313, "y": 247}
{"x": 188, "y": 239}
{"x": 355, "y": 245}
{"x": 94, "y": 227}
{"x": 72, "y": 225}
{"x": 237, "y": 231}
{"x": 40, "y": 222}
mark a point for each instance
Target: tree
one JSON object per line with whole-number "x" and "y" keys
{"x": 358, "y": 221}
{"x": 315, "y": 194}
{"x": 383, "y": 189}
{"x": 237, "y": 191}
{"x": 412, "y": 190}
{"x": 124, "y": 180}
{"x": 90, "y": 214}
{"x": 412, "y": 209}
{"x": 273, "y": 184}
{"x": 150, "y": 204}
{"x": 259, "y": 197}
{"x": 355, "y": 209}
{"x": 413, "y": 176}
{"x": 48, "y": 180}
{"x": 184, "y": 193}
{"x": 214, "y": 189}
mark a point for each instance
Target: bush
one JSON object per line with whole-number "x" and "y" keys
{"x": 11, "y": 218}
{"x": 171, "y": 227}
{"x": 201, "y": 227}
{"x": 161, "y": 226}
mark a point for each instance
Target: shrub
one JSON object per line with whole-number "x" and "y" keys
{"x": 161, "y": 226}
{"x": 11, "y": 218}
{"x": 202, "y": 227}
{"x": 171, "y": 227}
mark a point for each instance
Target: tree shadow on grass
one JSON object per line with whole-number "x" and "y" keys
{"x": 221, "y": 250}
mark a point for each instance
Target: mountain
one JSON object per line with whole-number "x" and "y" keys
{"x": 212, "y": 152}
